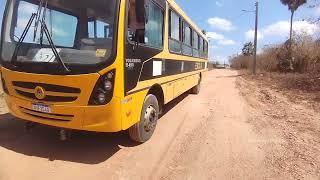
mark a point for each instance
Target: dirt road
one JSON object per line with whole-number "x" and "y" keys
{"x": 209, "y": 136}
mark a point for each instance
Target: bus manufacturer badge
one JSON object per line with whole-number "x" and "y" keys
{"x": 39, "y": 93}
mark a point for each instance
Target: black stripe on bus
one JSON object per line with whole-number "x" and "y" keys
{"x": 169, "y": 68}
{"x": 139, "y": 90}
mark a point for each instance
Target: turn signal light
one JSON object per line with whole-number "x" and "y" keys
{"x": 4, "y": 86}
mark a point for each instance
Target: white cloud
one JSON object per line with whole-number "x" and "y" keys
{"x": 226, "y": 42}
{"x": 305, "y": 27}
{"x": 215, "y": 36}
{"x": 250, "y": 35}
{"x": 26, "y": 9}
{"x": 22, "y": 23}
{"x": 59, "y": 32}
{"x": 221, "y": 24}
{"x": 220, "y": 39}
{"x": 282, "y": 29}
{"x": 219, "y": 4}
{"x": 213, "y": 47}
{"x": 317, "y": 11}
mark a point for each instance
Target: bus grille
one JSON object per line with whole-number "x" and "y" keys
{"x": 54, "y": 93}
{"x": 46, "y": 116}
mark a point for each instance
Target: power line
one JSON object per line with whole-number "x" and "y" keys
{"x": 255, "y": 39}
{"x": 238, "y": 16}
{"x": 256, "y": 11}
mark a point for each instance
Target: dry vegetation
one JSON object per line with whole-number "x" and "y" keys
{"x": 276, "y": 58}
{"x": 286, "y": 93}
{"x": 298, "y": 77}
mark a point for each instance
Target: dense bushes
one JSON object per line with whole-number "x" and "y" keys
{"x": 305, "y": 57}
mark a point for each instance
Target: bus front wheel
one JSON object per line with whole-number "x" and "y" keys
{"x": 144, "y": 129}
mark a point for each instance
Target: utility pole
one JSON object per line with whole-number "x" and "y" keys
{"x": 255, "y": 40}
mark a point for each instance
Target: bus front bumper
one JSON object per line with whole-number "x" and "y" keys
{"x": 89, "y": 118}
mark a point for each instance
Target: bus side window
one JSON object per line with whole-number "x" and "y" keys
{"x": 154, "y": 26}
{"x": 98, "y": 29}
{"x": 136, "y": 21}
{"x": 145, "y": 24}
{"x": 201, "y": 47}
{"x": 175, "y": 33}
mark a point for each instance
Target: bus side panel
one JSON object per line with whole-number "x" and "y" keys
{"x": 185, "y": 84}
{"x": 132, "y": 106}
{"x": 168, "y": 92}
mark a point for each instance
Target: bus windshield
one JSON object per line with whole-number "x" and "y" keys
{"x": 50, "y": 32}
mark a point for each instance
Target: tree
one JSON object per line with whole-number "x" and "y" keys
{"x": 248, "y": 49}
{"x": 293, "y": 5}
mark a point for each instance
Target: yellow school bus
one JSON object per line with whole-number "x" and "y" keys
{"x": 98, "y": 65}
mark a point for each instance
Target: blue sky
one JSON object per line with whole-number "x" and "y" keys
{"x": 2, "y": 2}
{"x": 229, "y": 28}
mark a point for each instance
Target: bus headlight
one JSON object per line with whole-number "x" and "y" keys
{"x": 107, "y": 85}
{"x": 101, "y": 97}
{"x": 103, "y": 91}
{"x": 4, "y": 86}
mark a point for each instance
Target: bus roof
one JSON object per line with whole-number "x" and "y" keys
{"x": 177, "y": 8}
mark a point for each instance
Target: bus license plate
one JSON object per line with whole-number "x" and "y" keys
{"x": 41, "y": 108}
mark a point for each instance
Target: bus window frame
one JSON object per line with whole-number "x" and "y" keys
{"x": 171, "y": 10}
{"x": 15, "y": 9}
{"x": 195, "y": 34}
{"x": 133, "y": 43}
{"x": 181, "y": 30}
{"x": 183, "y": 43}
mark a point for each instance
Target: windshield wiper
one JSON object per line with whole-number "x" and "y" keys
{"x": 53, "y": 47}
{"x": 36, "y": 24}
{"x": 43, "y": 19}
{"x": 44, "y": 29}
{"x": 21, "y": 39}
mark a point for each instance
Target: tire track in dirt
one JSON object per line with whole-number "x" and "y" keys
{"x": 296, "y": 154}
{"x": 223, "y": 145}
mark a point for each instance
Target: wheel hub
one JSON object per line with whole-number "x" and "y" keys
{"x": 150, "y": 118}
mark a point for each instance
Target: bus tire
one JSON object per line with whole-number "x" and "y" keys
{"x": 196, "y": 89}
{"x": 144, "y": 129}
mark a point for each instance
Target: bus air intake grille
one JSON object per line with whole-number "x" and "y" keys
{"x": 46, "y": 116}
{"x": 53, "y": 93}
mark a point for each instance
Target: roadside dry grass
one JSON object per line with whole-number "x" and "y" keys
{"x": 298, "y": 88}
{"x": 287, "y": 105}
